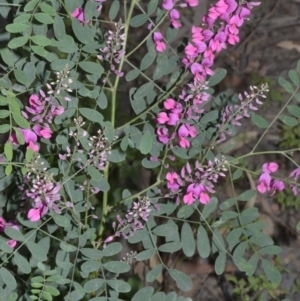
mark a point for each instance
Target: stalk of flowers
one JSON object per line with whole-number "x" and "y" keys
{"x": 114, "y": 49}
{"x": 233, "y": 114}
{"x": 199, "y": 180}
{"x": 133, "y": 221}
{"x": 3, "y": 225}
{"x": 42, "y": 109}
{"x": 41, "y": 190}
{"x": 199, "y": 57}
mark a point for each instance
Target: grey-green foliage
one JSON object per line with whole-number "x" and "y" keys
{"x": 62, "y": 254}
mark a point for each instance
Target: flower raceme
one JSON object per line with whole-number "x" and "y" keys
{"x": 199, "y": 58}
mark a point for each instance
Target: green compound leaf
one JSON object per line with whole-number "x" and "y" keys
{"x": 170, "y": 247}
{"x": 203, "y": 245}
{"x": 92, "y": 253}
{"x": 8, "y": 151}
{"x": 294, "y": 110}
{"x": 289, "y": 121}
{"x": 14, "y": 234}
{"x": 37, "y": 251}
{"x": 259, "y": 121}
{"x": 185, "y": 211}
{"x": 40, "y": 40}
{"x": 17, "y": 42}
{"x": 22, "y": 263}
{"x": 8, "y": 278}
{"x": 293, "y": 75}
{"x": 187, "y": 240}
{"x": 90, "y": 266}
{"x": 144, "y": 255}
{"x": 271, "y": 272}
{"x": 183, "y": 281}
{"x": 92, "y": 68}
{"x": 227, "y": 204}
{"x": 148, "y": 59}
{"x": 143, "y": 294}
{"x": 218, "y": 76}
{"x": 220, "y": 263}
{"x": 43, "y": 18}
{"x": 91, "y": 115}
{"x": 247, "y": 195}
{"x": 286, "y": 85}
{"x": 154, "y": 273}
{"x": 152, "y": 5}
{"x": 270, "y": 250}
{"x": 21, "y": 77}
{"x": 165, "y": 230}
{"x": 31, "y": 5}
{"x": 119, "y": 286}
{"x": 132, "y": 74}
{"x": 21, "y": 121}
{"x": 117, "y": 267}
{"x": 61, "y": 220}
{"x": 93, "y": 285}
{"x": 146, "y": 143}
{"x": 112, "y": 249}
{"x": 16, "y": 27}
{"x": 210, "y": 116}
{"x": 209, "y": 208}
{"x": 138, "y": 20}
{"x": 114, "y": 9}
{"x": 47, "y": 9}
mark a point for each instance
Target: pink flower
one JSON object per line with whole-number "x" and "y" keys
{"x": 162, "y": 118}
{"x": 276, "y": 185}
{"x": 159, "y": 44}
{"x": 270, "y": 167}
{"x": 33, "y": 146}
{"x": 169, "y": 104}
{"x": 172, "y": 181}
{"x": 78, "y": 13}
{"x": 43, "y": 132}
{"x": 28, "y": 135}
{"x": 34, "y": 214}
{"x": 264, "y": 183}
{"x": 168, "y": 4}
{"x": 188, "y": 198}
{"x": 163, "y": 136}
{"x": 192, "y": 2}
{"x": 174, "y": 17}
{"x": 191, "y": 50}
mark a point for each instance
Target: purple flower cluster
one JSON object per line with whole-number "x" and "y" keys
{"x": 114, "y": 49}
{"x": 234, "y": 113}
{"x": 3, "y": 224}
{"x": 199, "y": 57}
{"x": 199, "y": 180}
{"x": 133, "y": 221}
{"x": 43, "y": 192}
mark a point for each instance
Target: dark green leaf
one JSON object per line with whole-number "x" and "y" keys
{"x": 22, "y": 263}
{"x": 43, "y": 18}
{"x": 218, "y": 76}
{"x": 210, "y": 116}
{"x": 91, "y": 114}
{"x": 40, "y": 40}
{"x": 148, "y": 59}
{"x": 166, "y": 229}
{"x": 183, "y": 281}
{"x": 8, "y": 278}
{"x": 209, "y": 208}
{"x": 286, "y": 85}
{"x": 132, "y": 74}
{"x": 187, "y": 240}
{"x": 117, "y": 267}
{"x": 93, "y": 285}
{"x": 293, "y": 75}
{"x": 270, "y": 250}
{"x": 144, "y": 255}
{"x": 203, "y": 245}
{"x": 112, "y": 249}
{"x": 17, "y": 42}
{"x": 260, "y": 121}
{"x": 289, "y": 121}
{"x": 247, "y": 195}
{"x": 170, "y": 247}
{"x": 271, "y": 271}
{"x": 119, "y": 286}
{"x": 14, "y": 234}
{"x": 154, "y": 273}
{"x": 114, "y": 9}
{"x": 91, "y": 67}
{"x": 138, "y": 20}
{"x": 37, "y": 251}
{"x": 146, "y": 143}
{"x": 220, "y": 263}
{"x": 143, "y": 294}
{"x": 16, "y": 27}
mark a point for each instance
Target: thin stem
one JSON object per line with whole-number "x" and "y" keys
{"x": 273, "y": 121}
{"x": 113, "y": 111}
